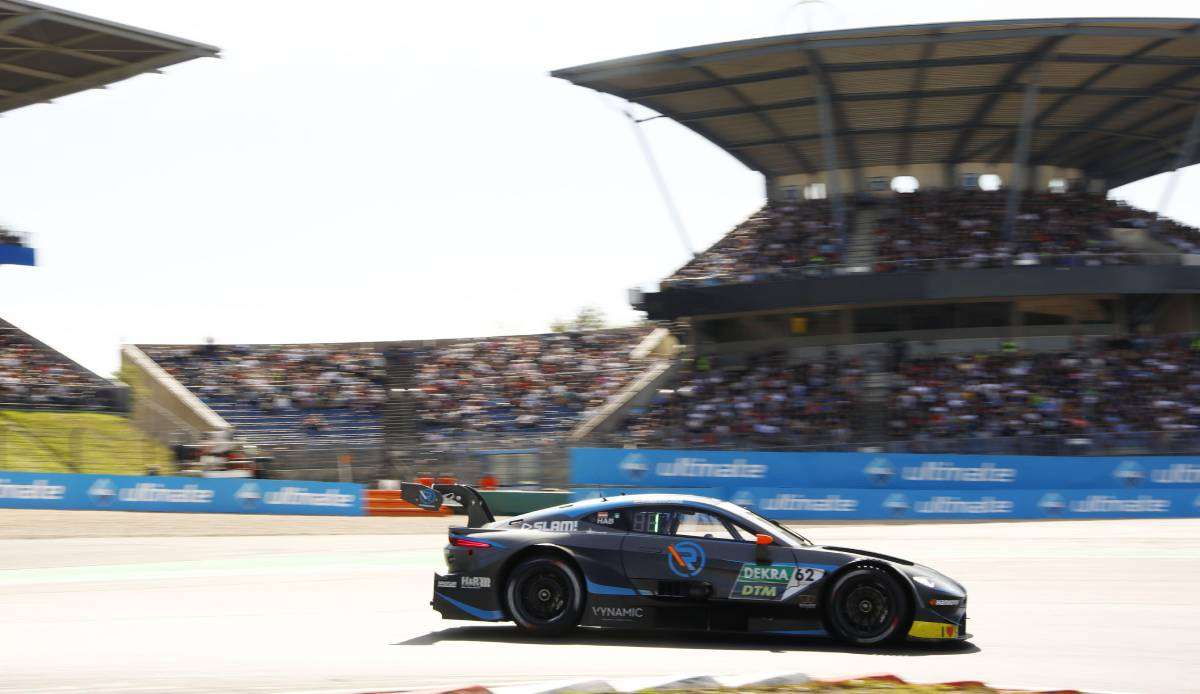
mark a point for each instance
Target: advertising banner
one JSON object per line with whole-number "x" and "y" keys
{"x": 799, "y": 486}
{"x": 177, "y": 494}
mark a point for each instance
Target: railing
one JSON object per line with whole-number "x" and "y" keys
{"x": 1180, "y": 442}
{"x": 887, "y": 266}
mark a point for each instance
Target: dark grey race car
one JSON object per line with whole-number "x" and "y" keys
{"x": 669, "y": 561}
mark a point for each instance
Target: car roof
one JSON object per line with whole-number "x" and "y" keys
{"x": 585, "y": 506}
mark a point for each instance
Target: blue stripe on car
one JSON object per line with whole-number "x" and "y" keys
{"x": 601, "y": 589}
{"x": 492, "y": 615}
{"x": 800, "y": 632}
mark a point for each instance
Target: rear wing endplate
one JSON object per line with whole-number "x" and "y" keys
{"x": 432, "y": 498}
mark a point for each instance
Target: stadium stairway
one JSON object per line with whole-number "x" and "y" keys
{"x": 861, "y": 252}
{"x": 639, "y": 391}
{"x": 873, "y": 419}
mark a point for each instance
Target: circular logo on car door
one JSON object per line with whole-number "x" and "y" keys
{"x": 685, "y": 559}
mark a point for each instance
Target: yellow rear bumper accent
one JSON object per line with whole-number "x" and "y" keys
{"x": 933, "y": 630}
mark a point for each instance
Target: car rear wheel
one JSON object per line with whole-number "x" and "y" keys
{"x": 868, "y": 606}
{"x": 544, "y": 595}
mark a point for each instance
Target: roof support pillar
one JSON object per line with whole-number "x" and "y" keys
{"x": 1020, "y": 175}
{"x": 1187, "y": 153}
{"x": 833, "y": 183}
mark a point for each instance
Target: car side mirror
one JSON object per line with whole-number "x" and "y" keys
{"x": 761, "y": 542}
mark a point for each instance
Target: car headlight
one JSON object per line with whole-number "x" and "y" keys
{"x": 924, "y": 580}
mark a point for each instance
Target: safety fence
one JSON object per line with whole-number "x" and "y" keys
{"x": 848, "y": 486}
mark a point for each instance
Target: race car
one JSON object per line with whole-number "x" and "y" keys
{"x": 678, "y": 562}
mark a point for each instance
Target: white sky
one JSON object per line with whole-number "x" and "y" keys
{"x": 388, "y": 170}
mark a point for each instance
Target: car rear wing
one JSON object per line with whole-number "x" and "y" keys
{"x": 432, "y": 498}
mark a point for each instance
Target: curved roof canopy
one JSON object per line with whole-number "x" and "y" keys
{"x": 46, "y": 53}
{"x": 1115, "y": 97}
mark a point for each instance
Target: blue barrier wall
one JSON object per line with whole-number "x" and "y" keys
{"x": 178, "y": 494}
{"x": 798, "y": 486}
{"x": 16, "y": 255}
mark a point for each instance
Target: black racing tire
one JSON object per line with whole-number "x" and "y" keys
{"x": 867, "y": 606}
{"x": 544, "y": 595}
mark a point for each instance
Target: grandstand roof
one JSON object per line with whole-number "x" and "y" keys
{"x": 46, "y": 53}
{"x": 1115, "y": 100}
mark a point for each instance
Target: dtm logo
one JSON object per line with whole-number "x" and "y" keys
{"x": 1130, "y": 473}
{"x": 896, "y": 504}
{"x": 879, "y": 470}
{"x": 1052, "y": 504}
{"x": 635, "y": 466}
{"x": 428, "y": 497}
{"x": 248, "y": 495}
{"x": 743, "y": 498}
{"x": 685, "y": 559}
{"x": 102, "y": 492}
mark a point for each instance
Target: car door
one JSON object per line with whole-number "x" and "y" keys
{"x": 701, "y": 554}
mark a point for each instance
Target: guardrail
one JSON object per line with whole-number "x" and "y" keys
{"x": 886, "y": 486}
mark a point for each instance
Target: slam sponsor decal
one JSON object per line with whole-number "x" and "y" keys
{"x": 558, "y": 526}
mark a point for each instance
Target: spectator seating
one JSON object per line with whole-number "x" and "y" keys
{"x": 964, "y": 229}
{"x": 521, "y": 385}
{"x": 32, "y": 375}
{"x": 460, "y": 389}
{"x": 777, "y": 240}
{"x": 285, "y": 394}
{"x": 928, "y": 230}
{"x": 1118, "y": 387}
{"x": 761, "y": 402}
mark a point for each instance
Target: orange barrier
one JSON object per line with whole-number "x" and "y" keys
{"x": 388, "y": 502}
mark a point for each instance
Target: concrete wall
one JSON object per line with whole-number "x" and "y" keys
{"x": 162, "y": 407}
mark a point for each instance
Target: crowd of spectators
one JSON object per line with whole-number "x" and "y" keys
{"x": 279, "y": 377}
{"x": 931, "y": 230}
{"x": 10, "y": 238}
{"x": 779, "y": 239}
{"x": 458, "y": 389}
{"x": 521, "y": 384}
{"x": 1111, "y": 388}
{"x": 763, "y": 401}
{"x": 32, "y": 375}
{"x": 965, "y": 229}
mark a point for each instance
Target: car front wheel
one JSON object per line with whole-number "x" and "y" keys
{"x": 868, "y": 606}
{"x": 544, "y": 595}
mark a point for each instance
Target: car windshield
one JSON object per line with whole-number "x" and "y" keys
{"x": 747, "y": 513}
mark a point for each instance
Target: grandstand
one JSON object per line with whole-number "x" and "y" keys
{"x": 55, "y": 414}
{"x": 937, "y": 265}
{"x": 311, "y": 405}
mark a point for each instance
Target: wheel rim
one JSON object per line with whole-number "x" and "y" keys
{"x": 866, "y": 611}
{"x": 544, "y": 596}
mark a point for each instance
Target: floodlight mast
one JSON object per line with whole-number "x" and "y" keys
{"x": 660, "y": 182}
{"x": 1187, "y": 153}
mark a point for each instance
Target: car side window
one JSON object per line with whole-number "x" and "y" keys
{"x": 616, "y": 520}
{"x": 704, "y": 525}
{"x": 653, "y": 522}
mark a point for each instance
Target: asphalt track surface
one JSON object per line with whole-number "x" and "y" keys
{"x": 143, "y": 602}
